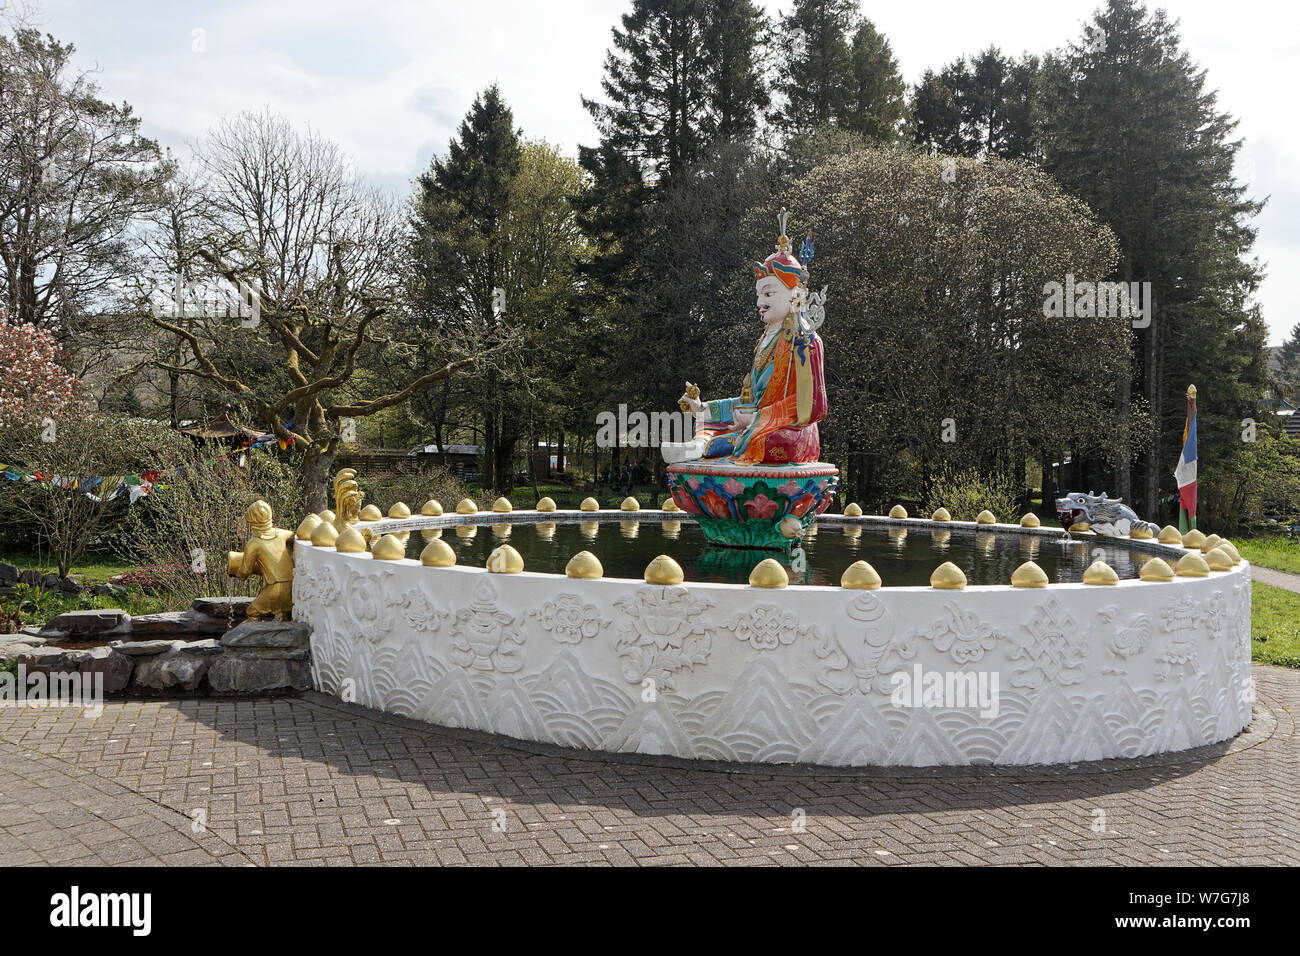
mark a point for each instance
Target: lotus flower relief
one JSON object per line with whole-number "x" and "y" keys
{"x": 790, "y": 488}
{"x": 686, "y": 502}
{"x": 716, "y": 505}
{"x": 732, "y": 487}
{"x": 761, "y": 507}
{"x": 800, "y": 507}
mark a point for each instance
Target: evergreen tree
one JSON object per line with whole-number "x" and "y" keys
{"x": 985, "y": 106}
{"x": 734, "y": 36}
{"x": 656, "y": 85}
{"x": 817, "y": 76}
{"x": 459, "y": 257}
{"x": 1133, "y": 132}
{"x": 874, "y": 106}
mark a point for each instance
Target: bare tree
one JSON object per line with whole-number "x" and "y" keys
{"x": 320, "y": 250}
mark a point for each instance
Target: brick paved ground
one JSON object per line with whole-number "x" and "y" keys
{"x": 314, "y": 781}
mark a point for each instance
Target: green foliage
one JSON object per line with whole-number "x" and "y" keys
{"x": 34, "y": 606}
{"x": 1274, "y": 626}
{"x": 988, "y": 105}
{"x": 1271, "y": 551}
{"x": 1261, "y": 482}
{"x": 966, "y": 493}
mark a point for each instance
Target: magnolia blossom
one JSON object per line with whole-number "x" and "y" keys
{"x": 33, "y": 385}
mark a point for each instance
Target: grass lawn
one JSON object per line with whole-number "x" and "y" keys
{"x": 92, "y": 569}
{"x": 1273, "y": 551}
{"x": 1274, "y": 626}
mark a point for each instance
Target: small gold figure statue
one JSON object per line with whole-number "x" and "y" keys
{"x": 347, "y": 500}
{"x": 269, "y": 554}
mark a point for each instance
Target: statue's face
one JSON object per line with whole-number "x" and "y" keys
{"x": 773, "y": 299}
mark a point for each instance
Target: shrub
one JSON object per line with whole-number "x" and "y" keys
{"x": 432, "y": 481}
{"x": 966, "y": 493}
{"x": 180, "y": 534}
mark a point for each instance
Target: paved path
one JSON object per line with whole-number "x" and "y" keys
{"x": 1279, "y": 579}
{"x": 315, "y": 781}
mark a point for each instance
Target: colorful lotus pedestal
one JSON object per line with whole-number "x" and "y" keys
{"x": 744, "y": 506}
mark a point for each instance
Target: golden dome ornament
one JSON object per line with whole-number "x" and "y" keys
{"x": 860, "y": 576}
{"x": 584, "y": 564}
{"x": 1193, "y": 539}
{"x": 1029, "y": 520}
{"x": 1099, "y": 572}
{"x": 437, "y": 554}
{"x": 505, "y": 560}
{"x": 941, "y": 514}
{"x": 351, "y": 541}
{"x": 1192, "y": 565}
{"x": 1210, "y": 543}
{"x": 898, "y": 512}
{"x": 389, "y": 548}
{"x": 327, "y": 516}
{"x": 1169, "y": 535}
{"x": 502, "y": 506}
{"x": 324, "y": 535}
{"x": 768, "y": 573}
{"x": 669, "y": 504}
{"x": 399, "y": 510}
{"x": 1140, "y": 532}
{"x": 853, "y": 510}
{"x": 664, "y": 570}
{"x": 1219, "y": 560}
{"x": 630, "y": 504}
{"x": 1157, "y": 569}
{"x": 546, "y": 504}
{"x": 1230, "y": 549}
{"x": 431, "y": 508}
{"x": 466, "y": 506}
{"x": 1029, "y": 575}
{"x": 309, "y": 524}
{"x": 948, "y": 577}
{"x": 986, "y": 517}
{"x": 589, "y": 504}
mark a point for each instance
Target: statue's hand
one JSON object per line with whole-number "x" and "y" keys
{"x": 692, "y": 404}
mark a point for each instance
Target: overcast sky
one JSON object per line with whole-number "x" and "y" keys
{"x": 390, "y": 79}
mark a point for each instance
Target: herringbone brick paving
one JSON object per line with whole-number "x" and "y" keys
{"x": 312, "y": 781}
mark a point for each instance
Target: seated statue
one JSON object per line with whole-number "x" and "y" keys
{"x": 268, "y": 554}
{"x": 783, "y": 395}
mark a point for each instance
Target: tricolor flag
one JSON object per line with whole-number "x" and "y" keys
{"x": 1185, "y": 473}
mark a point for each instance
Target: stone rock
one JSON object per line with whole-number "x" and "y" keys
{"x": 251, "y": 673}
{"x": 143, "y": 648}
{"x": 83, "y": 623}
{"x": 54, "y": 637}
{"x": 178, "y": 625}
{"x": 8, "y": 574}
{"x": 108, "y": 590}
{"x": 31, "y": 578}
{"x": 51, "y": 581}
{"x": 11, "y": 650}
{"x": 44, "y": 658}
{"x": 209, "y": 647}
{"x": 69, "y": 586}
{"x": 221, "y": 608}
{"x": 115, "y": 667}
{"x": 22, "y": 638}
{"x": 176, "y": 670}
{"x": 268, "y": 634}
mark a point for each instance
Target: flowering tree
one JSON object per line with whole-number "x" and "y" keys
{"x": 33, "y": 385}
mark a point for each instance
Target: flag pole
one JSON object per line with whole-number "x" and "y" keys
{"x": 1185, "y": 473}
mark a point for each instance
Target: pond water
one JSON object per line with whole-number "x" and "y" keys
{"x": 902, "y": 557}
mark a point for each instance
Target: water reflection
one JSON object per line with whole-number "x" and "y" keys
{"x": 671, "y": 529}
{"x": 939, "y": 539}
{"x": 545, "y": 530}
{"x": 985, "y": 542}
{"x": 898, "y": 538}
{"x": 428, "y": 534}
{"x": 502, "y": 530}
{"x": 466, "y": 532}
{"x": 630, "y": 529}
{"x": 589, "y": 529}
